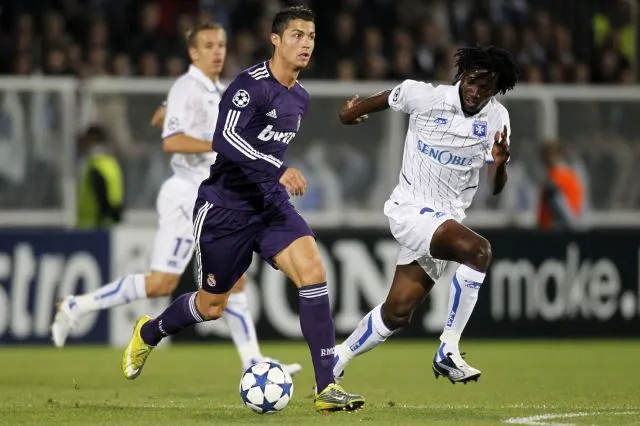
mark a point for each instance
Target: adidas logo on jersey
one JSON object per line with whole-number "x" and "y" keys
{"x": 272, "y": 113}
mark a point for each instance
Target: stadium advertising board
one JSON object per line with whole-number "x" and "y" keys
{"x": 38, "y": 267}
{"x": 539, "y": 285}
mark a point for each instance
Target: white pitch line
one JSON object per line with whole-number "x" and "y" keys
{"x": 541, "y": 419}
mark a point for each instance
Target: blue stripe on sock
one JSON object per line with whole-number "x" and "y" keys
{"x": 456, "y": 301}
{"x": 441, "y": 351}
{"x": 365, "y": 335}
{"x": 241, "y": 318}
{"x": 112, "y": 292}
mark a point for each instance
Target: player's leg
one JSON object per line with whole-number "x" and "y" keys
{"x": 287, "y": 243}
{"x": 243, "y": 331}
{"x": 119, "y": 292}
{"x": 301, "y": 262}
{"x": 241, "y": 327}
{"x": 172, "y": 251}
{"x": 222, "y": 253}
{"x": 454, "y": 241}
{"x": 408, "y": 290}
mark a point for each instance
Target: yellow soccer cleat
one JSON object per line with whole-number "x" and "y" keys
{"x": 334, "y": 398}
{"x": 136, "y": 352}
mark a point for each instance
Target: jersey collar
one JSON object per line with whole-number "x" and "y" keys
{"x": 199, "y": 75}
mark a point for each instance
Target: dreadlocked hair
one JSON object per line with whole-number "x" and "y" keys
{"x": 490, "y": 58}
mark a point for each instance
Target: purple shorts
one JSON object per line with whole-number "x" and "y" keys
{"x": 226, "y": 240}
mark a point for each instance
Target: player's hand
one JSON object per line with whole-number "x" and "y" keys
{"x": 500, "y": 150}
{"x": 157, "y": 120}
{"x": 294, "y": 182}
{"x": 346, "y": 109}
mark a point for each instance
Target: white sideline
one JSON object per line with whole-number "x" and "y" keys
{"x": 541, "y": 419}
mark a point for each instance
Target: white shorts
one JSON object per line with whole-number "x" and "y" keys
{"x": 174, "y": 242}
{"x": 413, "y": 227}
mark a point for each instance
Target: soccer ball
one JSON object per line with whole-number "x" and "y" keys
{"x": 266, "y": 388}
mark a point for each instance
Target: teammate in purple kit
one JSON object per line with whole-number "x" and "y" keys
{"x": 244, "y": 207}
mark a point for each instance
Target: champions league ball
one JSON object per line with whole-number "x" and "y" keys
{"x": 266, "y": 388}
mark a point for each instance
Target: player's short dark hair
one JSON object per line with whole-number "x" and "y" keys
{"x": 192, "y": 34}
{"x": 282, "y": 18}
{"x": 490, "y": 58}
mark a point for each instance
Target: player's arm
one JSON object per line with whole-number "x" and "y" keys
{"x": 500, "y": 154}
{"x": 355, "y": 111}
{"x": 157, "y": 119}
{"x": 238, "y": 106}
{"x": 179, "y": 114}
{"x": 404, "y": 97}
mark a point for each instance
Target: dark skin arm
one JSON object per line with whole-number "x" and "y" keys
{"x": 355, "y": 111}
{"x": 498, "y": 170}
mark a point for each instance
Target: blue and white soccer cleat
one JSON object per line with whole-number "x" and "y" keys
{"x": 63, "y": 322}
{"x": 454, "y": 368}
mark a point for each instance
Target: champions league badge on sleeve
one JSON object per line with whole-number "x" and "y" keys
{"x": 241, "y": 98}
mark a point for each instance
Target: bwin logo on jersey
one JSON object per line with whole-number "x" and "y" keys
{"x": 267, "y": 134}
{"x": 444, "y": 157}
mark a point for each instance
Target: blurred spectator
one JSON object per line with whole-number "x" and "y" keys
{"x": 80, "y": 37}
{"x": 175, "y": 66}
{"x": 346, "y": 70}
{"x": 121, "y": 65}
{"x": 562, "y": 196}
{"x": 100, "y": 188}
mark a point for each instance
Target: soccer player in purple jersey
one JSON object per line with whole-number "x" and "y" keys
{"x": 244, "y": 207}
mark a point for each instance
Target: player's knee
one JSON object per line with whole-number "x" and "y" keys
{"x": 211, "y": 306}
{"x": 479, "y": 256}
{"x": 396, "y": 315}
{"x": 160, "y": 284}
{"x": 212, "y": 312}
{"x": 313, "y": 273}
{"x": 238, "y": 287}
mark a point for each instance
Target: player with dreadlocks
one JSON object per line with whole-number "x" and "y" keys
{"x": 453, "y": 131}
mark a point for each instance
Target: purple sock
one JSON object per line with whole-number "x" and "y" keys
{"x": 179, "y": 315}
{"x": 318, "y": 330}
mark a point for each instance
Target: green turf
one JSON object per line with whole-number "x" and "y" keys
{"x": 598, "y": 381}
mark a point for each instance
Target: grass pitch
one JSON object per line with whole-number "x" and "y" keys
{"x": 523, "y": 382}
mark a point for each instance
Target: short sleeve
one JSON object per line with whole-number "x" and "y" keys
{"x": 406, "y": 96}
{"x": 179, "y": 106}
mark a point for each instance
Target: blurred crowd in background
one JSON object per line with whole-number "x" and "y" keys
{"x": 556, "y": 41}
{"x": 591, "y": 165}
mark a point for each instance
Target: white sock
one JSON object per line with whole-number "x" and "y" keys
{"x": 463, "y": 295}
{"x": 243, "y": 331}
{"x": 116, "y": 293}
{"x": 370, "y": 332}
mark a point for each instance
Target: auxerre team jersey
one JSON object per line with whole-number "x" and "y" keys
{"x": 444, "y": 149}
{"x": 192, "y": 109}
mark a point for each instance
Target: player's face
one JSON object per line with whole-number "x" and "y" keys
{"x": 210, "y": 51}
{"x": 476, "y": 89}
{"x": 297, "y": 42}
